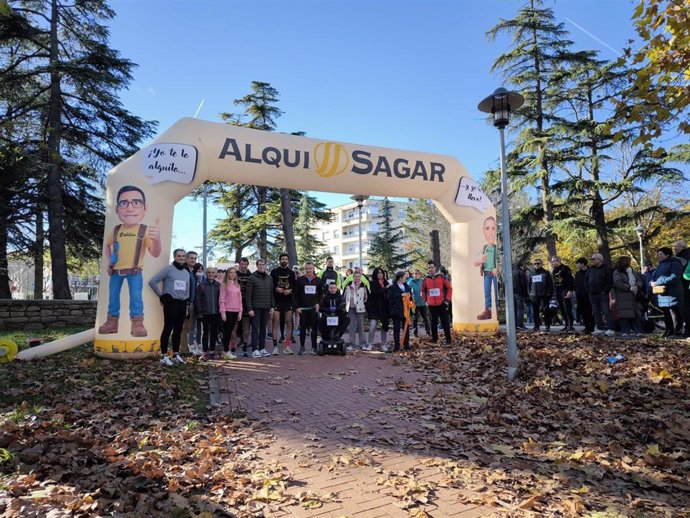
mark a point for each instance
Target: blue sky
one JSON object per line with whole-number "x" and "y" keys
{"x": 404, "y": 74}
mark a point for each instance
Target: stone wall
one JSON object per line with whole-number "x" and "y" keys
{"x": 46, "y": 314}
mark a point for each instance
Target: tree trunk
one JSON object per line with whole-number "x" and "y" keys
{"x": 288, "y": 232}
{"x": 5, "y": 291}
{"x": 39, "y": 250}
{"x": 262, "y": 244}
{"x": 56, "y": 213}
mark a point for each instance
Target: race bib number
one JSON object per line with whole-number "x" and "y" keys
{"x": 310, "y": 290}
{"x": 180, "y": 285}
{"x": 330, "y": 281}
{"x": 537, "y": 278}
{"x": 331, "y": 321}
{"x": 435, "y": 292}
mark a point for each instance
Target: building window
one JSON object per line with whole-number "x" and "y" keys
{"x": 326, "y": 236}
{"x": 336, "y": 250}
{"x": 336, "y": 234}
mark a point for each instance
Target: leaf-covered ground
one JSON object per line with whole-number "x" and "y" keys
{"x": 573, "y": 436}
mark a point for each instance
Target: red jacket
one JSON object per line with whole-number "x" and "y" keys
{"x": 445, "y": 290}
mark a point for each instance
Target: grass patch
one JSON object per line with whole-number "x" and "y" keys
{"x": 20, "y": 337}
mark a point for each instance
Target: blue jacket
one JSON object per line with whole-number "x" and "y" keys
{"x": 416, "y": 286}
{"x": 669, "y": 273}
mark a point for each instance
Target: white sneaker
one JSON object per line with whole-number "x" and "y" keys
{"x": 287, "y": 350}
{"x": 624, "y": 335}
{"x": 610, "y": 332}
{"x": 367, "y": 347}
{"x": 384, "y": 348}
{"x": 257, "y": 354}
{"x": 350, "y": 349}
{"x": 597, "y": 332}
{"x": 165, "y": 360}
{"x": 228, "y": 356}
{"x": 177, "y": 358}
{"x": 275, "y": 352}
{"x": 197, "y": 350}
{"x": 264, "y": 352}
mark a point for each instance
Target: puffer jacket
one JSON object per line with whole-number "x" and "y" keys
{"x": 599, "y": 279}
{"x": 259, "y": 291}
{"x": 669, "y": 273}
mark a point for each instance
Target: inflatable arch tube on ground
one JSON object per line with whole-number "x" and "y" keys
{"x": 57, "y": 346}
{"x": 194, "y": 151}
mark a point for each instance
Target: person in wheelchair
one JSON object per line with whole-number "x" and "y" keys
{"x": 332, "y": 305}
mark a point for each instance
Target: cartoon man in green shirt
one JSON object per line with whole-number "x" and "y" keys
{"x": 486, "y": 260}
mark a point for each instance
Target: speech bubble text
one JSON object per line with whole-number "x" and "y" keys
{"x": 470, "y": 195}
{"x": 171, "y": 162}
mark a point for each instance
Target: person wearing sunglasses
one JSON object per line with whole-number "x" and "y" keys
{"x": 540, "y": 289}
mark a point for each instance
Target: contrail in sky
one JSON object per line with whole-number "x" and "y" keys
{"x": 595, "y": 38}
{"x": 199, "y": 108}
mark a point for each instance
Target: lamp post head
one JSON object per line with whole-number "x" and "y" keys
{"x": 360, "y": 199}
{"x": 500, "y": 104}
{"x": 640, "y": 231}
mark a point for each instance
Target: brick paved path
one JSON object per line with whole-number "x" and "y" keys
{"x": 337, "y": 423}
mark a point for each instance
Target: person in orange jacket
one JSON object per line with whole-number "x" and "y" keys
{"x": 437, "y": 292}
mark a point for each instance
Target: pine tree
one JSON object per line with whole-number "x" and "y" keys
{"x": 384, "y": 247}
{"x": 421, "y": 218}
{"x": 311, "y": 212}
{"x": 539, "y": 48}
{"x": 70, "y": 78}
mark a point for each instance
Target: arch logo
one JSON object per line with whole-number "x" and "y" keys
{"x": 330, "y": 159}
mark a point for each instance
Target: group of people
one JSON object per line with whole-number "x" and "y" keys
{"x": 237, "y": 307}
{"x": 607, "y": 297}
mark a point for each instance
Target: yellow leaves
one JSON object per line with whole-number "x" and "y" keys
{"x": 582, "y": 455}
{"x": 660, "y": 375}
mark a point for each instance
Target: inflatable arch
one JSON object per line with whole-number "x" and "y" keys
{"x": 193, "y": 151}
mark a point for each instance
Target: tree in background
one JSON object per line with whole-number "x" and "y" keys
{"x": 64, "y": 81}
{"x": 539, "y": 47}
{"x": 421, "y": 218}
{"x": 384, "y": 247}
{"x": 260, "y": 112}
{"x": 311, "y": 212}
{"x": 659, "y": 95}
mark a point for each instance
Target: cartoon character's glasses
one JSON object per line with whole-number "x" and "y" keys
{"x": 123, "y": 204}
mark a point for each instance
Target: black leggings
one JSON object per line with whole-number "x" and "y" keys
{"x": 308, "y": 319}
{"x": 174, "y": 315}
{"x": 228, "y": 326}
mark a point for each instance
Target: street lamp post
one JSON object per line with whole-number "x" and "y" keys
{"x": 639, "y": 229}
{"x": 500, "y": 104}
{"x": 360, "y": 199}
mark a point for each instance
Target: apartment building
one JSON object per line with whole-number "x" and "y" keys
{"x": 341, "y": 235}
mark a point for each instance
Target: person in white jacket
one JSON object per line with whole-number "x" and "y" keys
{"x": 356, "y": 295}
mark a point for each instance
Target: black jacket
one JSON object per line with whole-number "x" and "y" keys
{"x": 599, "y": 279}
{"x": 540, "y": 284}
{"x": 563, "y": 278}
{"x": 303, "y": 298}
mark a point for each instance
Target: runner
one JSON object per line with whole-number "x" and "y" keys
{"x": 283, "y": 287}
{"x": 437, "y": 293}
{"x": 244, "y": 324}
{"x": 307, "y": 299}
{"x": 330, "y": 276}
{"x": 260, "y": 301}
